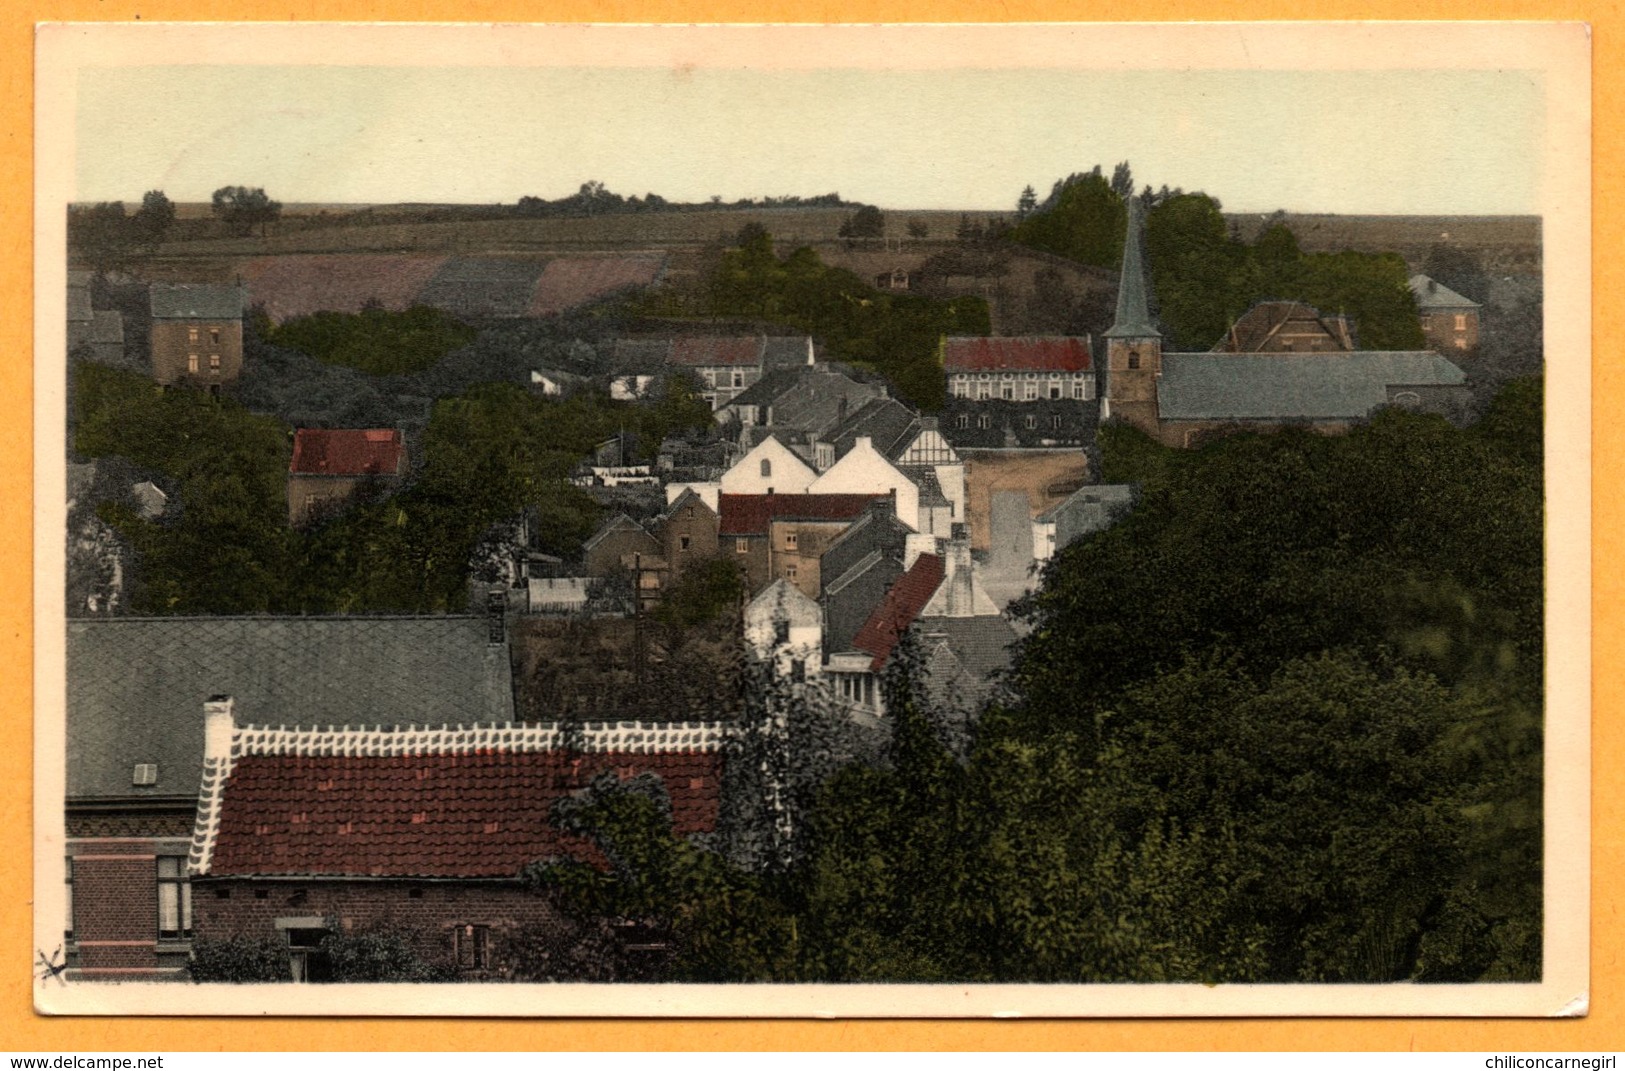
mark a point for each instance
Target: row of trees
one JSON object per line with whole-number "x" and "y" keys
{"x": 105, "y": 235}
{"x": 595, "y": 199}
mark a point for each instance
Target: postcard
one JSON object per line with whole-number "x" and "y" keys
{"x": 845, "y": 521}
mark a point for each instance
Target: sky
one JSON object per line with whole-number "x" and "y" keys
{"x": 1441, "y": 141}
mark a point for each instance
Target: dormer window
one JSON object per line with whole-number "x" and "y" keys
{"x": 145, "y": 773}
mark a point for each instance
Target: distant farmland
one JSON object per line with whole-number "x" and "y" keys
{"x": 1506, "y": 244}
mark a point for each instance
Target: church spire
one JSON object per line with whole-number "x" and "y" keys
{"x": 1133, "y": 315}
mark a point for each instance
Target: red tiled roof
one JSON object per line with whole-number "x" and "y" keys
{"x": 1032, "y": 354}
{"x": 705, "y": 352}
{"x": 751, "y": 514}
{"x": 902, "y": 604}
{"x": 321, "y": 452}
{"x": 474, "y": 815}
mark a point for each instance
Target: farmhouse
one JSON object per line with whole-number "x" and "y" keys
{"x": 303, "y": 834}
{"x": 1449, "y": 321}
{"x": 135, "y": 736}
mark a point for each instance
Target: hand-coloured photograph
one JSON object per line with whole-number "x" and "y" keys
{"x": 902, "y": 521}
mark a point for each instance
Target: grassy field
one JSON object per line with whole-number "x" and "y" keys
{"x": 1504, "y": 243}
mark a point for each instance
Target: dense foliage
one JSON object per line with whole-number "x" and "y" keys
{"x": 239, "y": 959}
{"x": 489, "y": 454}
{"x": 1204, "y": 278}
{"x": 375, "y": 340}
{"x": 894, "y": 334}
{"x": 1084, "y": 219}
{"x": 1282, "y": 723}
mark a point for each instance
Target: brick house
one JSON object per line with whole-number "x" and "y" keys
{"x": 1023, "y": 391}
{"x": 785, "y": 536}
{"x": 304, "y": 833}
{"x": 135, "y": 732}
{"x": 1449, "y": 320}
{"x": 1182, "y": 399}
{"x": 329, "y": 467}
{"x": 197, "y": 334}
{"x": 687, "y": 532}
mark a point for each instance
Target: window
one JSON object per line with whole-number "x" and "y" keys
{"x": 191, "y": 334}
{"x": 964, "y": 421}
{"x": 1007, "y": 391}
{"x": 682, "y": 542}
{"x": 767, "y": 467}
{"x": 1461, "y": 321}
{"x": 961, "y": 388}
{"x": 174, "y": 897}
{"x": 781, "y": 632}
{"x": 790, "y": 540}
{"x": 191, "y": 363}
{"x": 741, "y": 546}
{"x": 739, "y": 379}
{"x": 144, "y": 773}
{"x": 473, "y": 948}
{"x": 1134, "y": 360}
{"x": 1032, "y": 390}
{"x": 1032, "y": 422}
{"x": 1080, "y": 390}
{"x": 1461, "y": 343}
{"x": 68, "y": 921}
{"x": 305, "y": 957}
{"x": 214, "y": 363}
{"x": 984, "y": 391}
{"x": 790, "y": 572}
{"x": 984, "y": 422}
{"x": 1054, "y": 390}
{"x": 214, "y": 335}
{"x": 1055, "y": 421}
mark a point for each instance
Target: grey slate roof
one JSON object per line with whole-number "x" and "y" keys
{"x": 814, "y": 403}
{"x": 196, "y": 301}
{"x": 1133, "y": 310}
{"x": 980, "y": 644}
{"x": 639, "y": 356}
{"x": 1431, "y": 294}
{"x": 890, "y": 425}
{"x": 925, "y": 478}
{"x": 768, "y": 389}
{"x": 788, "y": 352}
{"x": 1292, "y": 386}
{"x": 79, "y": 304}
{"x": 136, "y": 686}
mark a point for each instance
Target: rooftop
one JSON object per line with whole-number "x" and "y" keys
{"x": 905, "y": 599}
{"x": 1432, "y": 294}
{"x": 1293, "y": 386}
{"x": 347, "y": 452}
{"x": 751, "y": 514}
{"x": 467, "y": 801}
{"x": 195, "y": 301}
{"x": 1030, "y": 353}
{"x": 713, "y": 351}
{"x": 136, "y": 686}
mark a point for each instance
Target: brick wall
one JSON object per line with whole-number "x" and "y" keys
{"x": 427, "y": 912}
{"x": 115, "y": 906}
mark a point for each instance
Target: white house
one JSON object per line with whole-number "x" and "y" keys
{"x": 786, "y": 626}
{"x": 929, "y": 448}
{"x": 769, "y": 468}
{"x": 865, "y": 471}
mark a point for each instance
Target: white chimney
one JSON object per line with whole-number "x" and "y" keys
{"x": 219, "y": 724}
{"x": 810, "y": 360}
{"x": 864, "y": 443}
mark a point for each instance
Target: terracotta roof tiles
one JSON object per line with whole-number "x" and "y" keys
{"x": 751, "y": 514}
{"x": 1026, "y": 354}
{"x": 903, "y": 603}
{"x": 368, "y": 452}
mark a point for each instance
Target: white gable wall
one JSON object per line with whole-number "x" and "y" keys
{"x": 865, "y": 471}
{"x": 770, "y": 467}
{"x": 782, "y": 601}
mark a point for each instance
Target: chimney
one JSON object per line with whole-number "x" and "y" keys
{"x": 956, "y": 567}
{"x": 840, "y": 409}
{"x": 916, "y": 544}
{"x": 928, "y": 423}
{"x": 496, "y": 610}
{"x": 218, "y": 725}
{"x": 810, "y": 359}
{"x": 864, "y": 443}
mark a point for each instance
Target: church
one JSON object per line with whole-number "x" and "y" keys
{"x": 1185, "y": 399}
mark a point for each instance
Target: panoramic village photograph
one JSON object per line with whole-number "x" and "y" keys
{"x": 1060, "y": 549}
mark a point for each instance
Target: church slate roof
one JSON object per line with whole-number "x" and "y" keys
{"x": 1292, "y": 386}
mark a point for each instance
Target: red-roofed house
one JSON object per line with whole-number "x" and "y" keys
{"x": 330, "y": 466}
{"x": 304, "y": 833}
{"x": 854, "y": 675}
{"x": 1027, "y": 391}
{"x": 774, "y": 536}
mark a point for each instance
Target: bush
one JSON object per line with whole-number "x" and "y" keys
{"x": 239, "y": 959}
{"x": 379, "y": 956}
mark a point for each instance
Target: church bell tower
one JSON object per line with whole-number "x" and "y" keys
{"x": 1133, "y": 344}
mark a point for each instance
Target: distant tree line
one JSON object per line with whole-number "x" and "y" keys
{"x": 594, "y": 199}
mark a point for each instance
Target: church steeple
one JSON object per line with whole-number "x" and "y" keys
{"x": 1133, "y": 344}
{"x": 1133, "y": 311}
